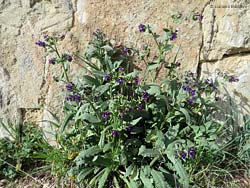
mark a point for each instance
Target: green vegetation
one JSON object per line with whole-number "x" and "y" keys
{"x": 128, "y": 128}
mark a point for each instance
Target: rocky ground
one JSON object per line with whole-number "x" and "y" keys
{"x": 46, "y": 181}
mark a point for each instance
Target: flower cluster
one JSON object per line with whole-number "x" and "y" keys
{"x": 105, "y": 115}
{"x": 69, "y": 86}
{"x": 121, "y": 116}
{"x": 75, "y": 98}
{"x": 191, "y": 152}
{"x": 40, "y": 43}
{"x": 233, "y": 79}
{"x": 173, "y": 35}
{"x": 67, "y": 57}
{"x": 52, "y": 61}
{"x": 142, "y": 28}
{"x": 108, "y": 77}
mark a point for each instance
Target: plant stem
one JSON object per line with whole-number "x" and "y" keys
{"x": 64, "y": 69}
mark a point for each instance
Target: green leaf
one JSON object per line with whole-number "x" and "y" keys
{"x": 91, "y": 81}
{"x": 99, "y": 74}
{"x": 107, "y": 48}
{"x": 87, "y": 153}
{"x": 107, "y": 147}
{"x": 173, "y": 131}
{"x": 168, "y": 47}
{"x": 84, "y": 173}
{"x": 153, "y": 89}
{"x": 186, "y": 114}
{"x": 10, "y": 130}
{"x": 145, "y": 180}
{"x": 152, "y": 66}
{"x": 130, "y": 184}
{"x": 54, "y": 117}
{"x": 159, "y": 179}
{"x": 90, "y": 118}
{"x": 116, "y": 182}
{"x": 66, "y": 121}
{"x": 148, "y": 152}
{"x": 117, "y": 65}
{"x": 129, "y": 170}
{"x": 103, "y": 88}
{"x": 177, "y": 163}
{"x": 102, "y": 137}
{"x": 102, "y": 161}
{"x": 95, "y": 180}
{"x": 89, "y": 63}
{"x": 103, "y": 178}
{"x": 135, "y": 121}
{"x": 133, "y": 184}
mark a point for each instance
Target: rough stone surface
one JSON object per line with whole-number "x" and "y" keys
{"x": 226, "y": 30}
{"x": 221, "y": 41}
{"x": 239, "y": 91}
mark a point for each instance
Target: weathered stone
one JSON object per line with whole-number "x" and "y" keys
{"x": 226, "y": 30}
{"x": 234, "y": 94}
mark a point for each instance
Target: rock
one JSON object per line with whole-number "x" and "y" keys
{"x": 226, "y": 31}
{"x": 236, "y": 95}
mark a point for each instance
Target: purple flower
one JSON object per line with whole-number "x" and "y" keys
{"x": 67, "y": 57}
{"x": 178, "y": 64}
{"x": 142, "y": 28}
{"x": 145, "y": 96}
{"x": 69, "y": 86}
{"x": 190, "y": 74}
{"x": 96, "y": 32}
{"x": 233, "y": 79}
{"x": 46, "y": 37}
{"x": 191, "y": 153}
{"x": 183, "y": 155}
{"x": 120, "y": 81}
{"x": 126, "y": 51}
{"x": 140, "y": 106}
{"x": 115, "y": 133}
{"x": 191, "y": 100}
{"x": 129, "y": 109}
{"x": 207, "y": 81}
{"x": 173, "y": 35}
{"x": 40, "y": 43}
{"x": 77, "y": 98}
{"x": 122, "y": 69}
{"x": 192, "y": 92}
{"x": 105, "y": 115}
{"x": 52, "y": 61}
{"x": 106, "y": 78}
{"x": 136, "y": 79}
{"x": 62, "y": 37}
{"x": 186, "y": 88}
{"x": 69, "y": 98}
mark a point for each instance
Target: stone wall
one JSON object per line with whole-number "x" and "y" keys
{"x": 221, "y": 40}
